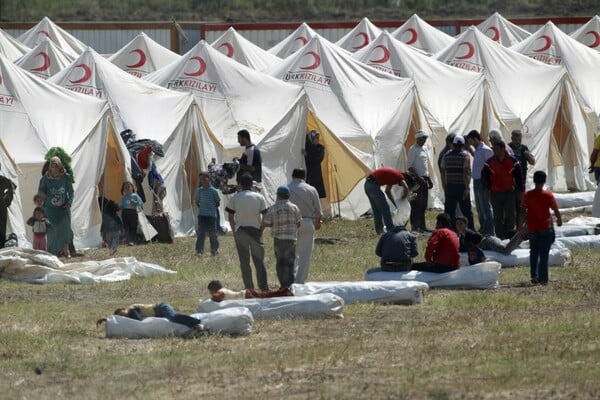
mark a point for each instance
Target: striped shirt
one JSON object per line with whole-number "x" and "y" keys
{"x": 207, "y": 200}
{"x": 454, "y": 163}
{"x": 283, "y": 217}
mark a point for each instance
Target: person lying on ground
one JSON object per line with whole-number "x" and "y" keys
{"x": 218, "y": 293}
{"x": 488, "y": 242}
{"x": 159, "y": 310}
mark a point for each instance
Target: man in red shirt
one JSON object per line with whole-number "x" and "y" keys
{"x": 535, "y": 210}
{"x": 379, "y": 206}
{"x": 441, "y": 253}
{"x": 502, "y": 178}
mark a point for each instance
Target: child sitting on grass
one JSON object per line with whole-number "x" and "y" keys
{"x": 218, "y": 293}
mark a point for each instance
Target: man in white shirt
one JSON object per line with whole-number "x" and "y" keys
{"x": 245, "y": 210}
{"x": 484, "y": 210}
{"x": 418, "y": 166}
{"x": 306, "y": 198}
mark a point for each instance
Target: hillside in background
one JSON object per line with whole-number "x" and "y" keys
{"x": 283, "y": 10}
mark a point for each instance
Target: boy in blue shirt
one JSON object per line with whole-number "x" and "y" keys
{"x": 207, "y": 200}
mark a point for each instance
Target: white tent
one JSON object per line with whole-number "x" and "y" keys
{"x": 151, "y": 112}
{"x": 142, "y": 56}
{"x": 237, "y": 47}
{"x": 10, "y": 47}
{"x": 421, "y": 35}
{"x": 501, "y": 30}
{"x": 589, "y": 33}
{"x": 537, "y": 98}
{"x": 45, "y": 59}
{"x": 231, "y": 97}
{"x": 293, "y": 42}
{"x": 47, "y": 28}
{"x": 360, "y": 36}
{"x": 369, "y": 110}
{"x": 552, "y": 46}
{"x": 32, "y": 120}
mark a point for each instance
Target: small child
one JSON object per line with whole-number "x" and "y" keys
{"x": 218, "y": 293}
{"x": 40, "y": 225}
{"x": 129, "y": 205}
{"x": 112, "y": 226}
{"x": 475, "y": 254}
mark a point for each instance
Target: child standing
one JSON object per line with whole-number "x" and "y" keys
{"x": 129, "y": 205}
{"x": 112, "y": 226}
{"x": 207, "y": 200}
{"x": 40, "y": 225}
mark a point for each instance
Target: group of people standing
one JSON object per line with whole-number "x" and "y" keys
{"x": 504, "y": 209}
{"x": 293, "y": 218}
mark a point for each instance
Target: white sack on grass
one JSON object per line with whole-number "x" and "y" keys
{"x": 325, "y": 305}
{"x": 559, "y": 257}
{"x": 575, "y": 199}
{"x": 34, "y": 266}
{"x": 399, "y": 292}
{"x": 580, "y": 242}
{"x": 232, "y": 321}
{"x": 478, "y": 276}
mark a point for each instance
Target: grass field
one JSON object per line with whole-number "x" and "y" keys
{"x": 518, "y": 342}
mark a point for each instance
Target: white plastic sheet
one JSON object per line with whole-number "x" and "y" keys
{"x": 582, "y": 242}
{"x": 478, "y": 276}
{"x": 232, "y": 321}
{"x": 399, "y": 292}
{"x": 324, "y": 305}
{"x": 34, "y": 266}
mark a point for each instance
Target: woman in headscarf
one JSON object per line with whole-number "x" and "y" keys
{"x": 56, "y": 188}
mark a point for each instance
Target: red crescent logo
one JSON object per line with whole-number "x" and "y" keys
{"x": 413, "y": 36}
{"x": 316, "y": 58}
{"x": 141, "y": 61}
{"x": 87, "y": 73}
{"x": 385, "y": 57}
{"x": 496, "y": 33}
{"x": 302, "y": 39}
{"x": 46, "y": 63}
{"x": 200, "y": 70}
{"x": 365, "y": 42}
{"x": 45, "y": 33}
{"x": 229, "y": 48}
{"x": 470, "y": 51}
{"x": 547, "y": 43}
{"x": 596, "y": 36}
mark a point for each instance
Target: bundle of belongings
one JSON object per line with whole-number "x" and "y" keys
{"x": 142, "y": 165}
{"x": 220, "y": 174}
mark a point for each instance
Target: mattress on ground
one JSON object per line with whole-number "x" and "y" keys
{"x": 478, "y": 276}
{"x": 575, "y": 199}
{"x": 398, "y": 292}
{"x": 558, "y": 257}
{"x": 232, "y": 321}
{"x": 581, "y": 242}
{"x": 324, "y": 305}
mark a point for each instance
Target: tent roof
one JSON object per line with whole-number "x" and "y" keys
{"x": 47, "y": 28}
{"x": 359, "y": 36}
{"x": 501, "y": 30}
{"x": 149, "y": 110}
{"x": 294, "y": 41}
{"x": 45, "y": 60}
{"x": 10, "y": 47}
{"x": 142, "y": 55}
{"x": 237, "y": 47}
{"x": 444, "y": 91}
{"x": 589, "y": 33}
{"x": 230, "y": 95}
{"x": 418, "y": 33}
{"x": 552, "y": 46}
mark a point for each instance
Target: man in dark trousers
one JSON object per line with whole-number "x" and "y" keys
{"x": 381, "y": 210}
